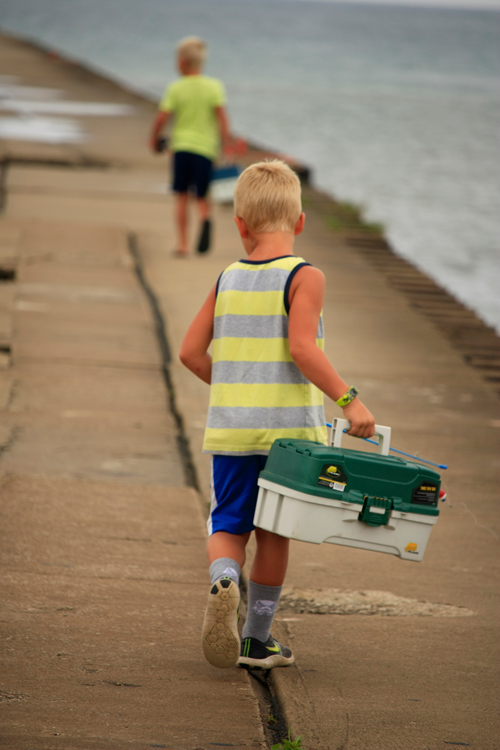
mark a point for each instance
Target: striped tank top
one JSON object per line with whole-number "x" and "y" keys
{"x": 257, "y": 393}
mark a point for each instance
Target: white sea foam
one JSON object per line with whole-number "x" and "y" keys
{"x": 41, "y": 129}
{"x": 10, "y": 88}
{"x": 31, "y": 103}
{"x": 74, "y": 109}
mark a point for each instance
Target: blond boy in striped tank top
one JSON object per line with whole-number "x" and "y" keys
{"x": 267, "y": 375}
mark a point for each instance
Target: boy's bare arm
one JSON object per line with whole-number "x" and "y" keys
{"x": 223, "y": 120}
{"x": 194, "y": 354}
{"x": 160, "y": 121}
{"x": 307, "y": 293}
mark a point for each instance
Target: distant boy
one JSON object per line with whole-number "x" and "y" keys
{"x": 196, "y": 104}
{"x": 267, "y": 377}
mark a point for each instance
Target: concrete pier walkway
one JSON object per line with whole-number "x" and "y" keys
{"x": 104, "y": 577}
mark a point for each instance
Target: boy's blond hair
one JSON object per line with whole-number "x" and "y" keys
{"x": 267, "y": 197}
{"x": 193, "y": 50}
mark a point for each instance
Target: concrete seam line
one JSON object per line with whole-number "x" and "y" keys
{"x": 266, "y": 698}
{"x": 10, "y": 440}
{"x": 82, "y": 163}
{"x": 190, "y": 473}
{"x": 4, "y": 168}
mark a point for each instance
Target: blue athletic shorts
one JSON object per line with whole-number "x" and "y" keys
{"x": 234, "y": 493}
{"x": 191, "y": 172}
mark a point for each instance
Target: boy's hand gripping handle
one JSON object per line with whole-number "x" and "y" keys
{"x": 384, "y": 434}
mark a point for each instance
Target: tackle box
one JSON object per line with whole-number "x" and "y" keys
{"x": 318, "y": 493}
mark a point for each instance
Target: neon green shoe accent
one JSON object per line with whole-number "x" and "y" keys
{"x": 258, "y": 655}
{"x": 276, "y": 648}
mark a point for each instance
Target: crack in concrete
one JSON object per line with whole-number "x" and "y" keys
{"x": 480, "y": 525}
{"x": 263, "y": 687}
{"x": 190, "y": 472}
{"x": 14, "y": 434}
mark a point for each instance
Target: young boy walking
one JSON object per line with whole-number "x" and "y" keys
{"x": 267, "y": 375}
{"x": 196, "y": 103}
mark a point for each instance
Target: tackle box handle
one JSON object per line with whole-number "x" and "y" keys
{"x": 339, "y": 425}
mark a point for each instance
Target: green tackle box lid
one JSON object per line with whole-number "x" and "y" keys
{"x": 352, "y": 475}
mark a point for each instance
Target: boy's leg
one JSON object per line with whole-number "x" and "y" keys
{"x": 203, "y": 174}
{"x": 220, "y": 637}
{"x": 271, "y": 558}
{"x": 181, "y": 217}
{"x": 258, "y": 648}
{"x": 203, "y": 209}
{"x": 265, "y": 584}
{"x": 223, "y": 544}
{"x": 233, "y": 498}
{"x": 181, "y": 180}
{"x": 205, "y": 225}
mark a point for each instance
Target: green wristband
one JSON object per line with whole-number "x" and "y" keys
{"x": 348, "y": 396}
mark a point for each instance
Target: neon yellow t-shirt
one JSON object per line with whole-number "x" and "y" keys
{"x": 193, "y": 100}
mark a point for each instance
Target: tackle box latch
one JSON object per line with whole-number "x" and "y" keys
{"x": 375, "y": 510}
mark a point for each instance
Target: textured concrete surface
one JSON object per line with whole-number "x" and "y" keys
{"x": 375, "y": 681}
{"x": 103, "y": 566}
{"x": 104, "y": 574}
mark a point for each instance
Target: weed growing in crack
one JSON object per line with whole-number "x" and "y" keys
{"x": 289, "y": 744}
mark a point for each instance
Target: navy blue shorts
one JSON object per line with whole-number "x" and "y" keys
{"x": 191, "y": 172}
{"x": 234, "y": 493}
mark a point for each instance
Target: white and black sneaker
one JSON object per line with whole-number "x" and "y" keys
{"x": 257, "y": 655}
{"x": 220, "y": 637}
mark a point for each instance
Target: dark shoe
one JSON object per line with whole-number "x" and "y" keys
{"x": 161, "y": 145}
{"x": 220, "y": 637}
{"x": 204, "y": 241}
{"x": 257, "y": 655}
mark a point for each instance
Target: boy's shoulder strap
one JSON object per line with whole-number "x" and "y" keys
{"x": 217, "y": 285}
{"x": 228, "y": 268}
{"x": 291, "y": 277}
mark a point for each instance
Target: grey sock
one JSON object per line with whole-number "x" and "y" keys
{"x": 224, "y": 567}
{"x": 262, "y": 604}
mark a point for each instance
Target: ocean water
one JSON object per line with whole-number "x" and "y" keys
{"x": 395, "y": 108}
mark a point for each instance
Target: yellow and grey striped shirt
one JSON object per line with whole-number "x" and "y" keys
{"x": 257, "y": 393}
